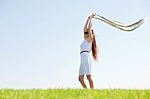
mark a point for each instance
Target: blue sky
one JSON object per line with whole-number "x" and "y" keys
{"x": 40, "y": 40}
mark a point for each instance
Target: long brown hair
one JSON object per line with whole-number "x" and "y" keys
{"x": 94, "y": 47}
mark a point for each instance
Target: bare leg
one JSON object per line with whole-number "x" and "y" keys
{"x": 90, "y": 81}
{"x": 81, "y": 80}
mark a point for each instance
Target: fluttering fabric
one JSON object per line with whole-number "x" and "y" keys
{"x": 119, "y": 25}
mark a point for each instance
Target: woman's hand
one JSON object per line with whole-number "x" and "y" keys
{"x": 93, "y": 14}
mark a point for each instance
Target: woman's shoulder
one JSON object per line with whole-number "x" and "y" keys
{"x": 88, "y": 40}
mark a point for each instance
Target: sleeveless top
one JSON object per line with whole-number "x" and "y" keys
{"x": 85, "y": 46}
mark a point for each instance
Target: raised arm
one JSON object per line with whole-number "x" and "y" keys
{"x": 86, "y": 24}
{"x": 90, "y": 38}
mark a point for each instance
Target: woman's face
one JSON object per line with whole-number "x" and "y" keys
{"x": 86, "y": 36}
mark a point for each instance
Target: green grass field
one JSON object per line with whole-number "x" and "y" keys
{"x": 74, "y": 94}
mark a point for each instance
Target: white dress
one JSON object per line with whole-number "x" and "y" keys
{"x": 86, "y": 63}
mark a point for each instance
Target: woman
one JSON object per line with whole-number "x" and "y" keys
{"x": 88, "y": 45}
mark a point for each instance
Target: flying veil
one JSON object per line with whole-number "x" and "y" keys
{"x": 119, "y": 25}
